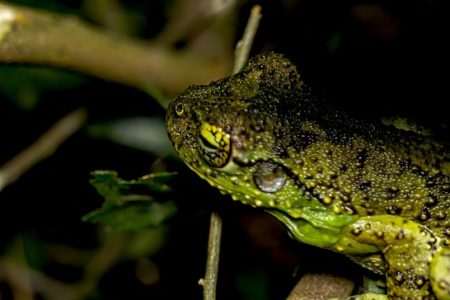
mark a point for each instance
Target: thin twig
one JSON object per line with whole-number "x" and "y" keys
{"x": 244, "y": 45}
{"x": 209, "y": 283}
{"x": 44, "y": 147}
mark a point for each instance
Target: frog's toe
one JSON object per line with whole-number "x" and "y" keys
{"x": 440, "y": 274}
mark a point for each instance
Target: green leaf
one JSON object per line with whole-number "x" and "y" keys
{"x": 132, "y": 204}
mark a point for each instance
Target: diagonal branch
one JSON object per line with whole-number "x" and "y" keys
{"x": 44, "y": 147}
{"x": 33, "y": 36}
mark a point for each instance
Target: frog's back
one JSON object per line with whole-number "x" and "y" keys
{"x": 360, "y": 168}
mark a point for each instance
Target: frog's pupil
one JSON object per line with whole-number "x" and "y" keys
{"x": 206, "y": 143}
{"x": 269, "y": 177}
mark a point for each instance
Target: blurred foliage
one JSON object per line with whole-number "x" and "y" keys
{"x": 253, "y": 284}
{"x": 132, "y": 204}
{"x": 142, "y": 133}
{"x": 25, "y": 86}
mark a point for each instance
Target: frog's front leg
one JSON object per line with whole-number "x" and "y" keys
{"x": 412, "y": 253}
{"x": 440, "y": 274}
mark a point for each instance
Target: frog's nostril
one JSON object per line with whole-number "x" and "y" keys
{"x": 179, "y": 109}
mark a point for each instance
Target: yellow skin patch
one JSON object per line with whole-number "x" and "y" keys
{"x": 215, "y": 145}
{"x": 378, "y": 194}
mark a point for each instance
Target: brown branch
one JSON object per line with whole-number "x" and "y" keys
{"x": 188, "y": 18}
{"x": 39, "y": 37}
{"x": 44, "y": 147}
{"x": 102, "y": 261}
{"x": 322, "y": 286}
{"x": 26, "y": 282}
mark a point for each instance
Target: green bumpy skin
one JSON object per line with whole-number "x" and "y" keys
{"x": 375, "y": 193}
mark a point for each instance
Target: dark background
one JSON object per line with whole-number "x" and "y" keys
{"x": 371, "y": 58}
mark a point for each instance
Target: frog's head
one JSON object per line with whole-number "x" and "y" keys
{"x": 236, "y": 133}
{"x": 225, "y": 131}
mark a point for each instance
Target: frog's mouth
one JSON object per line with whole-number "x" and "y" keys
{"x": 235, "y": 182}
{"x": 316, "y": 225}
{"x": 304, "y": 231}
{"x": 306, "y": 218}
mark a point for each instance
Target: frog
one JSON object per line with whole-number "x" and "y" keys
{"x": 375, "y": 193}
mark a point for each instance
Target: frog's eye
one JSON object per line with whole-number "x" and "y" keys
{"x": 214, "y": 145}
{"x": 179, "y": 109}
{"x": 269, "y": 177}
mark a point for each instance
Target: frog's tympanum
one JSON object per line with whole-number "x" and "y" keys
{"x": 375, "y": 193}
